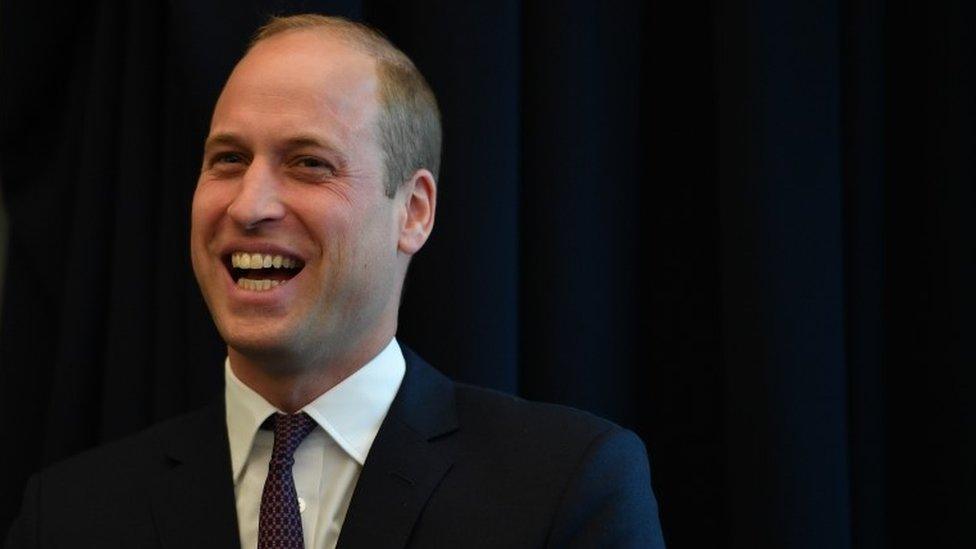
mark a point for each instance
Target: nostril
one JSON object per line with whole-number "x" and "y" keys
{"x": 257, "y": 202}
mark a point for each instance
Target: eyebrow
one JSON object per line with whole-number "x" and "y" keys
{"x": 222, "y": 139}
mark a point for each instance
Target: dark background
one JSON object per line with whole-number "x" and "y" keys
{"x": 744, "y": 229}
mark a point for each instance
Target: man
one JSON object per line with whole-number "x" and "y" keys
{"x": 318, "y": 185}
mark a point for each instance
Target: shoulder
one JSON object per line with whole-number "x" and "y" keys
{"x": 540, "y": 438}
{"x": 553, "y": 474}
{"x": 501, "y": 426}
{"x": 104, "y": 494}
{"x": 490, "y": 415}
{"x": 490, "y": 410}
{"x": 114, "y": 469}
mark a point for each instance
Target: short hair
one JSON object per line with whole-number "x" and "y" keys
{"x": 409, "y": 123}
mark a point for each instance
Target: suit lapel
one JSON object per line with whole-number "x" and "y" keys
{"x": 402, "y": 468}
{"x": 193, "y": 502}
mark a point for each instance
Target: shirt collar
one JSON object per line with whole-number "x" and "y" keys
{"x": 351, "y": 412}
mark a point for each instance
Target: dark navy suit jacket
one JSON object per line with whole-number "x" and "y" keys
{"x": 452, "y": 466}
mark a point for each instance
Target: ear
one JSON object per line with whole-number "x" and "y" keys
{"x": 418, "y": 199}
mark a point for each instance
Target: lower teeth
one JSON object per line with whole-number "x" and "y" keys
{"x": 257, "y": 285}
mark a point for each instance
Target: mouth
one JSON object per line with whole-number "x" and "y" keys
{"x": 258, "y": 272}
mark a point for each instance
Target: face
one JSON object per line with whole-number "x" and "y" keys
{"x": 292, "y": 176}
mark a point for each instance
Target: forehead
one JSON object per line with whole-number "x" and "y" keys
{"x": 300, "y": 80}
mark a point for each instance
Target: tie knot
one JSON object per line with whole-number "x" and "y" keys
{"x": 289, "y": 431}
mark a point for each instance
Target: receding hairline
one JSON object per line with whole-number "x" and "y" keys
{"x": 409, "y": 122}
{"x": 358, "y": 36}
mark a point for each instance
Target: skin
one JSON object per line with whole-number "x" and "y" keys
{"x": 293, "y": 163}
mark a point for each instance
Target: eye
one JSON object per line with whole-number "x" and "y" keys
{"x": 310, "y": 162}
{"x": 313, "y": 165}
{"x": 227, "y": 163}
{"x": 228, "y": 158}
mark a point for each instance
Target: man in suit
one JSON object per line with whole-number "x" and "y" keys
{"x": 318, "y": 185}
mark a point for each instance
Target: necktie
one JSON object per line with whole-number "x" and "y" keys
{"x": 280, "y": 525}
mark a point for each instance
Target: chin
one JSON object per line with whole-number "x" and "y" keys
{"x": 259, "y": 338}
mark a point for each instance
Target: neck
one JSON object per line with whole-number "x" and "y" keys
{"x": 289, "y": 384}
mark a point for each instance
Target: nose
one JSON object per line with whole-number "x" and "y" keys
{"x": 258, "y": 199}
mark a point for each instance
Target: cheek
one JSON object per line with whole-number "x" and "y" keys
{"x": 206, "y": 213}
{"x": 377, "y": 245}
{"x": 328, "y": 221}
{"x": 209, "y": 205}
{"x": 353, "y": 241}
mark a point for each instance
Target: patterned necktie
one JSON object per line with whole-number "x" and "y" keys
{"x": 280, "y": 525}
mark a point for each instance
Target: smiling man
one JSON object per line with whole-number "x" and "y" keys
{"x": 318, "y": 185}
{"x": 300, "y": 236}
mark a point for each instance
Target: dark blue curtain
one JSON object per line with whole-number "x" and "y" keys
{"x": 743, "y": 229}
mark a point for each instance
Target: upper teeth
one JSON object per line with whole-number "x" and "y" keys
{"x": 243, "y": 260}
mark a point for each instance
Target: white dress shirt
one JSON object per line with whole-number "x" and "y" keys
{"x": 328, "y": 461}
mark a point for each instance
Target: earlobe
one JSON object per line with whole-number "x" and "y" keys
{"x": 419, "y": 196}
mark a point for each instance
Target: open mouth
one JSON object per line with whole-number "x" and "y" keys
{"x": 259, "y": 272}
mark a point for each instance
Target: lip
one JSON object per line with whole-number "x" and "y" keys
{"x": 278, "y": 293}
{"x": 271, "y": 296}
{"x": 258, "y": 246}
